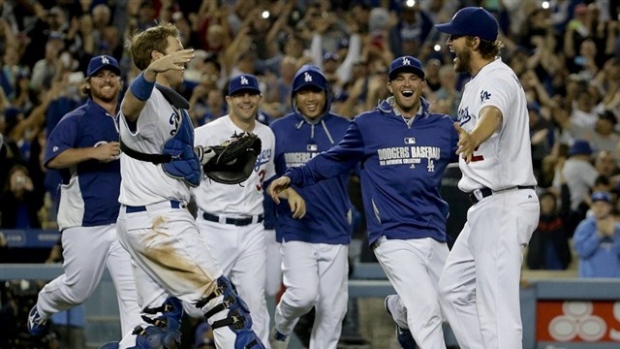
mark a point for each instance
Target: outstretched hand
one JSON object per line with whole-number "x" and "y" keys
{"x": 466, "y": 144}
{"x": 176, "y": 60}
{"x": 277, "y": 186}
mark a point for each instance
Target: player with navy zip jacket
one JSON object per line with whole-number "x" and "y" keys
{"x": 399, "y": 164}
{"x": 329, "y": 222}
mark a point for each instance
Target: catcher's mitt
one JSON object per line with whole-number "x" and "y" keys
{"x": 233, "y": 163}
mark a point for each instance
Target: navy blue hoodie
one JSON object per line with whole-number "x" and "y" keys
{"x": 298, "y": 139}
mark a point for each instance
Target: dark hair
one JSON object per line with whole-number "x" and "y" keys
{"x": 142, "y": 44}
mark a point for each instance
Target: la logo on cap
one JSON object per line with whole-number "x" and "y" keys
{"x": 406, "y": 61}
{"x": 105, "y": 60}
{"x": 244, "y": 81}
{"x": 307, "y": 77}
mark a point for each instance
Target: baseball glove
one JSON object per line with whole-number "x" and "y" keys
{"x": 233, "y": 163}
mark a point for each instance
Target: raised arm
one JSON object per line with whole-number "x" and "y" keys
{"x": 140, "y": 89}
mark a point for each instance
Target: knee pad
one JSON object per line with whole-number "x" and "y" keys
{"x": 164, "y": 330}
{"x": 238, "y": 320}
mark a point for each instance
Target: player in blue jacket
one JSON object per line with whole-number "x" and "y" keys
{"x": 84, "y": 147}
{"x": 404, "y": 150}
{"x": 314, "y": 249}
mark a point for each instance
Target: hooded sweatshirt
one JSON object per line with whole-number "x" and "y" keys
{"x": 299, "y": 139}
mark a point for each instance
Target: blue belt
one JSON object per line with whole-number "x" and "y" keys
{"x": 233, "y": 221}
{"x": 134, "y": 209}
{"x": 486, "y": 192}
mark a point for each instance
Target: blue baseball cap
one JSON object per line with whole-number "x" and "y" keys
{"x": 580, "y": 147}
{"x": 309, "y": 76}
{"x": 243, "y": 83}
{"x": 472, "y": 21}
{"x": 100, "y": 62}
{"x": 405, "y": 64}
{"x": 601, "y": 196}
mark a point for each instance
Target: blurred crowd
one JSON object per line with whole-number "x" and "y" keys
{"x": 566, "y": 54}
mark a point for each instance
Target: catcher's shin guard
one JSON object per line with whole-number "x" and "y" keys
{"x": 164, "y": 330}
{"x": 238, "y": 319}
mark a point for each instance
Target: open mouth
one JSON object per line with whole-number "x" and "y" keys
{"x": 407, "y": 93}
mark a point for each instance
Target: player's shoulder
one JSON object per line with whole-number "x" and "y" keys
{"x": 283, "y": 121}
{"x": 338, "y": 119}
{"x": 75, "y": 116}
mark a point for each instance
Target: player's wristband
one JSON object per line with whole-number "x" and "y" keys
{"x": 140, "y": 88}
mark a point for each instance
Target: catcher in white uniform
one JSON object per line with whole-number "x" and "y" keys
{"x": 230, "y": 217}
{"x": 159, "y": 165}
{"x": 479, "y": 287}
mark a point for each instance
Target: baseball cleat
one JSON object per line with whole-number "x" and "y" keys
{"x": 277, "y": 339}
{"x": 36, "y": 323}
{"x": 403, "y": 335}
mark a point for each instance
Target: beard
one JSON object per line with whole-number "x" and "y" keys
{"x": 463, "y": 62}
{"x": 104, "y": 97}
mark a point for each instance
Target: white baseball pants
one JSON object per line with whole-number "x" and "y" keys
{"x": 413, "y": 267}
{"x": 171, "y": 257}
{"x": 479, "y": 287}
{"x": 87, "y": 251}
{"x": 241, "y": 252}
{"x": 314, "y": 275}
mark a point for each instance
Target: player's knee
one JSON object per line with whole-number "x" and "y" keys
{"x": 164, "y": 329}
{"x": 303, "y": 298}
{"x": 237, "y": 318}
{"x": 449, "y": 294}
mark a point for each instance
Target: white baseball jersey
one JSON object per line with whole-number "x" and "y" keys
{"x": 505, "y": 159}
{"x": 229, "y": 199}
{"x": 144, "y": 183}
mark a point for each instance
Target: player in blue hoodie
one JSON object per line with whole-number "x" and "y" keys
{"x": 404, "y": 151}
{"x": 315, "y": 248}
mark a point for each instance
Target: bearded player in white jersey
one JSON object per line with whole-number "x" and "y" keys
{"x": 479, "y": 286}
{"x": 230, "y": 217}
{"x": 159, "y": 165}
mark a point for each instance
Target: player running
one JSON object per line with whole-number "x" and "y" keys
{"x": 315, "y": 248}
{"x": 230, "y": 217}
{"x": 480, "y": 284}
{"x": 84, "y": 146}
{"x": 403, "y": 150}
{"x": 158, "y": 167}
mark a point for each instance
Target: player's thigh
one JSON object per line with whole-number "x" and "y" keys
{"x": 300, "y": 267}
{"x": 459, "y": 268}
{"x": 405, "y": 262}
{"x": 169, "y": 248}
{"x": 333, "y": 275}
{"x": 249, "y": 268}
{"x": 85, "y": 250}
{"x": 223, "y": 240}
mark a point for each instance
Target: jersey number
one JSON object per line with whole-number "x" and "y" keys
{"x": 261, "y": 178}
{"x": 476, "y": 157}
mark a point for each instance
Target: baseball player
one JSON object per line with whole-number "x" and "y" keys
{"x": 230, "y": 217}
{"x": 159, "y": 165}
{"x": 84, "y": 147}
{"x": 404, "y": 150}
{"x": 479, "y": 287}
{"x": 315, "y": 248}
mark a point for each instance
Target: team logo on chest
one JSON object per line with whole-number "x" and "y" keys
{"x": 464, "y": 116}
{"x": 175, "y": 121}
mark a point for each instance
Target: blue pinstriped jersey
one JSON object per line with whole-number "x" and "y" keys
{"x": 401, "y": 170}
{"x": 89, "y": 190}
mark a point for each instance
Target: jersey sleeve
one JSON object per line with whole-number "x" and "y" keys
{"x": 62, "y": 137}
{"x": 498, "y": 92}
{"x": 340, "y": 158}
